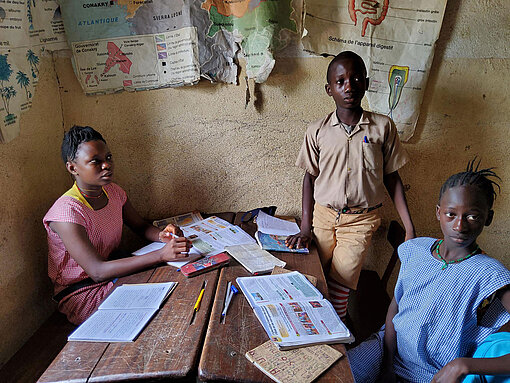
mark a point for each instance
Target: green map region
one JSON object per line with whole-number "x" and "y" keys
{"x": 259, "y": 24}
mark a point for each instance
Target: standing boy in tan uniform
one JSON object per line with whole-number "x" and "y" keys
{"x": 349, "y": 158}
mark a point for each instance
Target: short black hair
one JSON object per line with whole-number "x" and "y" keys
{"x": 475, "y": 177}
{"x": 346, "y": 55}
{"x": 76, "y": 136}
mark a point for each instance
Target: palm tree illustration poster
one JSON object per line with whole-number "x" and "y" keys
{"x": 28, "y": 28}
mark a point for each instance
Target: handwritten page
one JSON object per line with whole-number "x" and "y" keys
{"x": 124, "y": 313}
{"x": 193, "y": 252}
{"x": 301, "y": 365}
{"x": 112, "y": 325}
{"x": 271, "y": 225}
{"x": 253, "y": 258}
{"x": 138, "y": 296}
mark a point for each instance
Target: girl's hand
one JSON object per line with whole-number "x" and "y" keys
{"x": 176, "y": 249}
{"x": 166, "y": 234}
{"x": 453, "y": 372}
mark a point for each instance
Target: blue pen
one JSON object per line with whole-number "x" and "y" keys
{"x": 230, "y": 293}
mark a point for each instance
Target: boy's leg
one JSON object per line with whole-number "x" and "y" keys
{"x": 324, "y": 234}
{"x": 324, "y": 221}
{"x": 353, "y": 237}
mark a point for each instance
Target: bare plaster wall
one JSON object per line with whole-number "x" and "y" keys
{"x": 198, "y": 147}
{"x": 29, "y": 183}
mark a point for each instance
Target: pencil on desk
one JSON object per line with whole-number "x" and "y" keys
{"x": 198, "y": 302}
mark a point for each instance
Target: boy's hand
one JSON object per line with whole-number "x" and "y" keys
{"x": 299, "y": 240}
{"x": 166, "y": 234}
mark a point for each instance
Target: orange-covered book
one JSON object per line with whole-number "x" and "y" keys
{"x": 205, "y": 264}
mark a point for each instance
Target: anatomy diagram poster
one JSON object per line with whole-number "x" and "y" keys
{"x": 396, "y": 38}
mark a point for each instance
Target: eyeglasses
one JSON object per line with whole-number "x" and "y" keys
{"x": 249, "y": 215}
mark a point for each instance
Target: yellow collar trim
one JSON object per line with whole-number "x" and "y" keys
{"x": 74, "y": 192}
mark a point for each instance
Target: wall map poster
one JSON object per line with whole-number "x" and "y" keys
{"x": 144, "y": 44}
{"x": 27, "y": 28}
{"x": 396, "y": 39}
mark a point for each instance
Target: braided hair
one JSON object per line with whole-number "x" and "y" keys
{"x": 481, "y": 178}
{"x": 76, "y": 136}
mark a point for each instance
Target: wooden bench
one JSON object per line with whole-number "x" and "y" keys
{"x": 28, "y": 364}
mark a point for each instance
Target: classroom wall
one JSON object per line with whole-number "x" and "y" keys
{"x": 30, "y": 180}
{"x": 200, "y": 148}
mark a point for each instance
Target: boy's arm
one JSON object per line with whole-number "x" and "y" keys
{"x": 393, "y": 184}
{"x": 302, "y": 239}
{"x": 390, "y": 345}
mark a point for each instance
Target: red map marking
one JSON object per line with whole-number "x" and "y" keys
{"x": 375, "y": 8}
{"x": 115, "y": 56}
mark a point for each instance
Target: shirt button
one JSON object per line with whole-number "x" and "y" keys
{"x": 349, "y": 138}
{"x": 348, "y": 169}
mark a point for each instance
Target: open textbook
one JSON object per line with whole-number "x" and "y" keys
{"x": 292, "y": 311}
{"x": 208, "y": 236}
{"x": 124, "y": 313}
{"x": 272, "y": 232}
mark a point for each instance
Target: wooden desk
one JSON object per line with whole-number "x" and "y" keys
{"x": 225, "y": 344}
{"x": 168, "y": 348}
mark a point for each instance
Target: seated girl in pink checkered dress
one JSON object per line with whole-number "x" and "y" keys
{"x": 84, "y": 227}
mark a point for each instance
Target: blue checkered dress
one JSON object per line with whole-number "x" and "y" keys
{"x": 437, "y": 313}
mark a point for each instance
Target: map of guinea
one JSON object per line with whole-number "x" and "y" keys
{"x": 116, "y": 56}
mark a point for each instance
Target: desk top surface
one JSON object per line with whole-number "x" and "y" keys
{"x": 169, "y": 347}
{"x": 226, "y": 343}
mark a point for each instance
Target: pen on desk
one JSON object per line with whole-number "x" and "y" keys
{"x": 199, "y": 300}
{"x": 227, "y": 294}
{"x": 231, "y": 292}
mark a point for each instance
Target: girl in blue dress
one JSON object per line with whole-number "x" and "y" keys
{"x": 449, "y": 297}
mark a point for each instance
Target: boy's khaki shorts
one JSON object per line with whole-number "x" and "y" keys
{"x": 343, "y": 241}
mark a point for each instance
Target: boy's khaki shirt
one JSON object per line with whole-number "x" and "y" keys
{"x": 348, "y": 167}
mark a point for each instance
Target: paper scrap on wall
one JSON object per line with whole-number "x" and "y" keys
{"x": 27, "y": 28}
{"x": 396, "y": 39}
{"x": 150, "y": 44}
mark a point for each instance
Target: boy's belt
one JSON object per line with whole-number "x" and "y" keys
{"x": 348, "y": 210}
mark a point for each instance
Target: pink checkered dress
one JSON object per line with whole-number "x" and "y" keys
{"x": 104, "y": 229}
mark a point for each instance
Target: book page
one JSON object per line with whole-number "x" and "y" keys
{"x": 272, "y": 225}
{"x": 179, "y": 220}
{"x": 274, "y": 242}
{"x": 277, "y": 288}
{"x": 112, "y": 325}
{"x": 281, "y": 270}
{"x": 194, "y": 252}
{"x": 253, "y": 258}
{"x": 301, "y": 365}
{"x": 140, "y": 296}
{"x": 304, "y": 322}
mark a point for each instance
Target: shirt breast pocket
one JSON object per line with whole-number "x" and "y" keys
{"x": 372, "y": 156}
